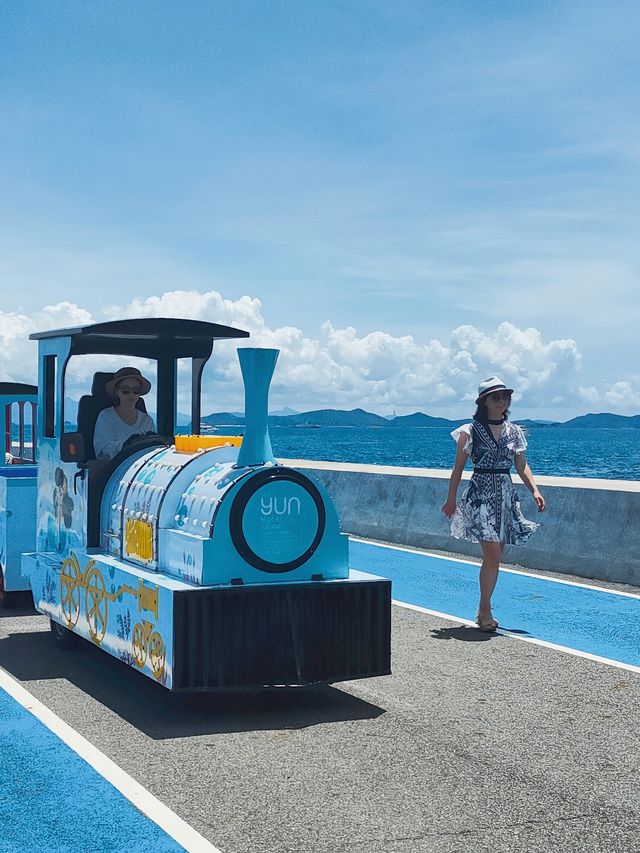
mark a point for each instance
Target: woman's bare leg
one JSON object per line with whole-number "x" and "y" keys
{"x": 491, "y": 556}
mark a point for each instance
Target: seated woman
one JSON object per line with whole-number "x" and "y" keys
{"x": 115, "y": 425}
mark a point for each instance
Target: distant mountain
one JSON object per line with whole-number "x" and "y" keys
{"x": 283, "y": 413}
{"x": 334, "y": 417}
{"x": 604, "y": 420}
{"x": 528, "y": 424}
{"x": 320, "y": 417}
{"x": 418, "y": 419}
{"x": 360, "y": 418}
{"x": 220, "y": 418}
{"x": 277, "y": 414}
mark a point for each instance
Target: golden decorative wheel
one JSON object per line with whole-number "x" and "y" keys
{"x": 96, "y": 605}
{"x": 139, "y": 645}
{"x": 70, "y": 590}
{"x": 156, "y": 654}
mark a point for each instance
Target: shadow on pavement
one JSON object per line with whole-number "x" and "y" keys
{"x": 32, "y": 656}
{"x": 466, "y": 633}
{"x": 20, "y": 604}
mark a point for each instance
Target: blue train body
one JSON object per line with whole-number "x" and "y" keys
{"x": 17, "y": 524}
{"x": 18, "y": 482}
{"x": 199, "y": 561}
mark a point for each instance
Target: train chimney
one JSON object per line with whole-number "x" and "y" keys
{"x": 257, "y": 367}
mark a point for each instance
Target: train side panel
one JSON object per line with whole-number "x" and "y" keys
{"x": 18, "y": 489}
{"x": 124, "y": 610}
{"x": 61, "y": 511}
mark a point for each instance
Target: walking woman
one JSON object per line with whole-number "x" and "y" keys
{"x": 489, "y": 512}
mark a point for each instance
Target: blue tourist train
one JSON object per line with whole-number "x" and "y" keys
{"x": 198, "y": 560}
{"x": 17, "y": 485}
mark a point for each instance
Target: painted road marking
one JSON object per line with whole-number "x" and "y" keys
{"x": 532, "y": 640}
{"x": 502, "y": 568}
{"x": 596, "y": 623}
{"x": 49, "y": 790}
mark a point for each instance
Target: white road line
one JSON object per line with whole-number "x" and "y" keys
{"x": 142, "y": 799}
{"x": 502, "y": 569}
{"x": 608, "y": 661}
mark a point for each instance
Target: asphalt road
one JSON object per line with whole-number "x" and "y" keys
{"x": 476, "y": 742}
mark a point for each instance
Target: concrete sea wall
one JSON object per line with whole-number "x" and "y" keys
{"x": 590, "y": 528}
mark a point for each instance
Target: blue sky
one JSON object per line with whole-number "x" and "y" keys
{"x": 352, "y": 173}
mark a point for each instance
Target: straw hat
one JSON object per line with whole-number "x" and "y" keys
{"x": 124, "y": 373}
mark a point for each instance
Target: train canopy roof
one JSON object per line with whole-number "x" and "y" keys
{"x": 9, "y": 388}
{"x": 147, "y": 337}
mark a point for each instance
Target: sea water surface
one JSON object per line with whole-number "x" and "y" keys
{"x": 554, "y": 451}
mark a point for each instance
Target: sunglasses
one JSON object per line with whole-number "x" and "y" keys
{"x": 500, "y": 395}
{"x": 126, "y": 389}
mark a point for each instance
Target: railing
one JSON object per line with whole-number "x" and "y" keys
{"x": 18, "y": 450}
{"x": 591, "y": 528}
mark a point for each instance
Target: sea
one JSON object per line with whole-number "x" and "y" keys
{"x": 610, "y": 454}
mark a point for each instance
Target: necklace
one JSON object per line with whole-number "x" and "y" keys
{"x": 495, "y": 423}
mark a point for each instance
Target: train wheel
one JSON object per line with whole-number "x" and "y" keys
{"x": 139, "y": 645}
{"x": 156, "y": 654}
{"x": 62, "y": 637}
{"x": 70, "y": 590}
{"x": 96, "y": 604}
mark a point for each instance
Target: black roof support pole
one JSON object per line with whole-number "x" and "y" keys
{"x": 197, "y": 366}
{"x": 166, "y": 396}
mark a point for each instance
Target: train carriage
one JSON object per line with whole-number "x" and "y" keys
{"x": 17, "y": 485}
{"x": 198, "y": 560}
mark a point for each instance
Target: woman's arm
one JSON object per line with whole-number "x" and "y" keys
{"x": 449, "y": 506}
{"x": 526, "y": 476}
{"x": 105, "y": 444}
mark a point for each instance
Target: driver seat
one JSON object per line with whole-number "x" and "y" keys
{"x": 90, "y": 406}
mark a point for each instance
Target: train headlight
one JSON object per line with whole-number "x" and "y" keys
{"x": 277, "y": 520}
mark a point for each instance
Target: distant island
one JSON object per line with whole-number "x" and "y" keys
{"x": 360, "y": 418}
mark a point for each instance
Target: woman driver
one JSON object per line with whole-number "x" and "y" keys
{"x": 116, "y": 424}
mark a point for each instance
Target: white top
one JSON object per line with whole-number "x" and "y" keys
{"x": 111, "y": 431}
{"x": 513, "y": 434}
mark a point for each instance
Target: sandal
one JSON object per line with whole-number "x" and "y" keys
{"x": 487, "y": 625}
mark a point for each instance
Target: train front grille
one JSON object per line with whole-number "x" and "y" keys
{"x": 281, "y": 635}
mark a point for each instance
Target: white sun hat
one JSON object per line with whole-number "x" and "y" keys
{"x": 488, "y": 386}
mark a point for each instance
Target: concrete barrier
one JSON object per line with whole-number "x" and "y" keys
{"x": 590, "y": 528}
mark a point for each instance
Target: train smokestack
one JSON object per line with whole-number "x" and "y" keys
{"x": 257, "y": 367}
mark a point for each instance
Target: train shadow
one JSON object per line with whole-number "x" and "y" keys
{"x": 20, "y": 604}
{"x": 160, "y": 714}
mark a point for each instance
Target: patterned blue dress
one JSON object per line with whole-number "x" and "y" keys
{"x": 490, "y": 509}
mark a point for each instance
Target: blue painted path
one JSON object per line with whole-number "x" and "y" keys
{"x": 51, "y": 800}
{"x": 587, "y": 620}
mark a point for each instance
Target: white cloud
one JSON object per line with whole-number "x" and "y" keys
{"x": 341, "y": 368}
{"x": 18, "y": 355}
{"x": 590, "y": 394}
{"x": 623, "y": 395}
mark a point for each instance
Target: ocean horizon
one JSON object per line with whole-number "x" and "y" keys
{"x": 611, "y": 454}
{"x": 600, "y": 453}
